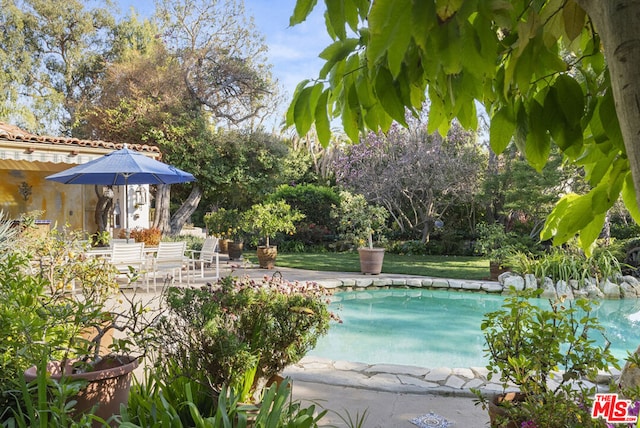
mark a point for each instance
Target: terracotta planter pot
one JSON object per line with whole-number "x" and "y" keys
{"x": 497, "y": 412}
{"x": 235, "y": 250}
{"x": 267, "y": 256}
{"x": 371, "y": 260}
{"x": 107, "y": 385}
{"x": 224, "y": 245}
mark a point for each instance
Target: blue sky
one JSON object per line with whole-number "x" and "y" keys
{"x": 293, "y": 51}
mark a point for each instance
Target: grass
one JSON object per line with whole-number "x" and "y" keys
{"x": 455, "y": 267}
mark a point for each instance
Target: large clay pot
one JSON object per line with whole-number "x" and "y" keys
{"x": 107, "y": 386}
{"x": 267, "y": 256}
{"x": 223, "y": 244}
{"x": 235, "y": 250}
{"x": 371, "y": 260}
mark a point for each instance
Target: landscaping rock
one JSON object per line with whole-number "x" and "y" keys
{"x": 628, "y": 290}
{"x": 610, "y": 290}
{"x": 549, "y": 289}
{"x": 593, "y": 292}
{"x": 512, "y": 280}
{"x": 630, "y": 376}
{"x": 530, "y": 282}
{"x": 564, "y": 290}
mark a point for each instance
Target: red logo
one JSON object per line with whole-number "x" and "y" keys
{"x": 612, "y": 409}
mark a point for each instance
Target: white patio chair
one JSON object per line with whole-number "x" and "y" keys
{"x": 170, "y": 256}
{"x": 126, "y": 256}
{"x": 208, "y": 255}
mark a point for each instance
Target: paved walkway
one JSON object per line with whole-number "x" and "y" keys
{"x": 387, "y": 395}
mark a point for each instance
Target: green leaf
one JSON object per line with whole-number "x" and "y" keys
{"x": 590, "y": 232}
{"x": 335, "y": 52}
{"x": 447, "y": 8}
{"x": 350, "y": 114}
{"x": 629, "y": 197}
{"x": 554, "y": 218}
{"x": 570, "y": 98}
{"x": 387, "y": 92}
{"x": 305, "y": 108}
{"x": 301, "y": 11}
{"x": 424, "y": 19}
{"x": 609, "y": 120}
{"x": 323, "y": 128}
{"x": 390, "y": 26}
{"x": 575, "y": 215}
{"x": 336, "y": 16}
{"x": 538, "y": 144}
{"x": 501, "y": 130}
{"x": 290, "y": 117}
{"x": 574, "y": 19}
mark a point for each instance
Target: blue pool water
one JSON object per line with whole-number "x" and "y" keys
{"x": 432, "y": 328}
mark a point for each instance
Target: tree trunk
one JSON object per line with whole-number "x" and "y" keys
{"x": 617, "y": 23}
{"x": 162, "y": 214}
{"x": 184, "y": 212}
{"x": 104, "y": 208}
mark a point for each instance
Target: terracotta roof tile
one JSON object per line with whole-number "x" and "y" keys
{"x": 13, "y": 133}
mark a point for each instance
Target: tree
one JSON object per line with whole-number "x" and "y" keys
{"x": 561, "y": 71}
{"x": 416, "y": 176}
{"x": 517, "y": 194}
{"x": 222, "y": 56}
{"x": 51, "y": 54}
{"x": 205, "y": 69}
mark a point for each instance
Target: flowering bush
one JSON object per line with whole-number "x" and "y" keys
{"x": 241, "y": 331}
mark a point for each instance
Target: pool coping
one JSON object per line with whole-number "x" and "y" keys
{"x": 409, "y": 379}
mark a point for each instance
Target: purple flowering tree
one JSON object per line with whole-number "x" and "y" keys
{"x": 418, "y": 177}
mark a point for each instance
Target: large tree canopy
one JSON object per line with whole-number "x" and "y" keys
{"x": 561, "y": 71}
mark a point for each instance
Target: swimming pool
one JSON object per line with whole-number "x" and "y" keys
{"x": 433, "y": 328}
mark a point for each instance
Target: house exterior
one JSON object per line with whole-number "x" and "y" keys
{"x": 26, "y": 159}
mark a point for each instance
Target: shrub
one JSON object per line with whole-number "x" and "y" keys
{"x": 313, "y": 201}
{"x": 564, "y": 265}
{"x": 220, "y": 334}
{"x": 529, "y": 344}
{"x": 151, "y": 237}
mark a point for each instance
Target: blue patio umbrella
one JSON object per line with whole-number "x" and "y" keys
{"x": 122, "y": 168}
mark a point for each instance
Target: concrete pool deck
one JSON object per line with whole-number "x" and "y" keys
{"x": 389, "y": 395}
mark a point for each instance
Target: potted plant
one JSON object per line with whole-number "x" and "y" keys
{"x": 72, "y": 300}
{"x": 545, "y": 355}
{"x": 266, "y": 220}
{"x": 222, "y": 223}
{"x": 240, "y": 332}
{"x": 358, "y": 222}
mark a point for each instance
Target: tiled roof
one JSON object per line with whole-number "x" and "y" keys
{"x": 15, "y": 134}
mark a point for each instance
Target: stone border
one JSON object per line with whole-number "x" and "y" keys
{"x": 415, "y": 282}
{"x": 407, "y": 379}
{"x": 626, "y": 287}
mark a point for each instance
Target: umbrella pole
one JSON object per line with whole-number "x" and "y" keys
{"x": 126, "y": 207}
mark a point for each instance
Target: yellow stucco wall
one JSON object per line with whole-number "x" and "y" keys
{"x": 61, "y": 203}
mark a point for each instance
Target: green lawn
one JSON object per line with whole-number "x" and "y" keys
{"x": 455, "y": 267}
